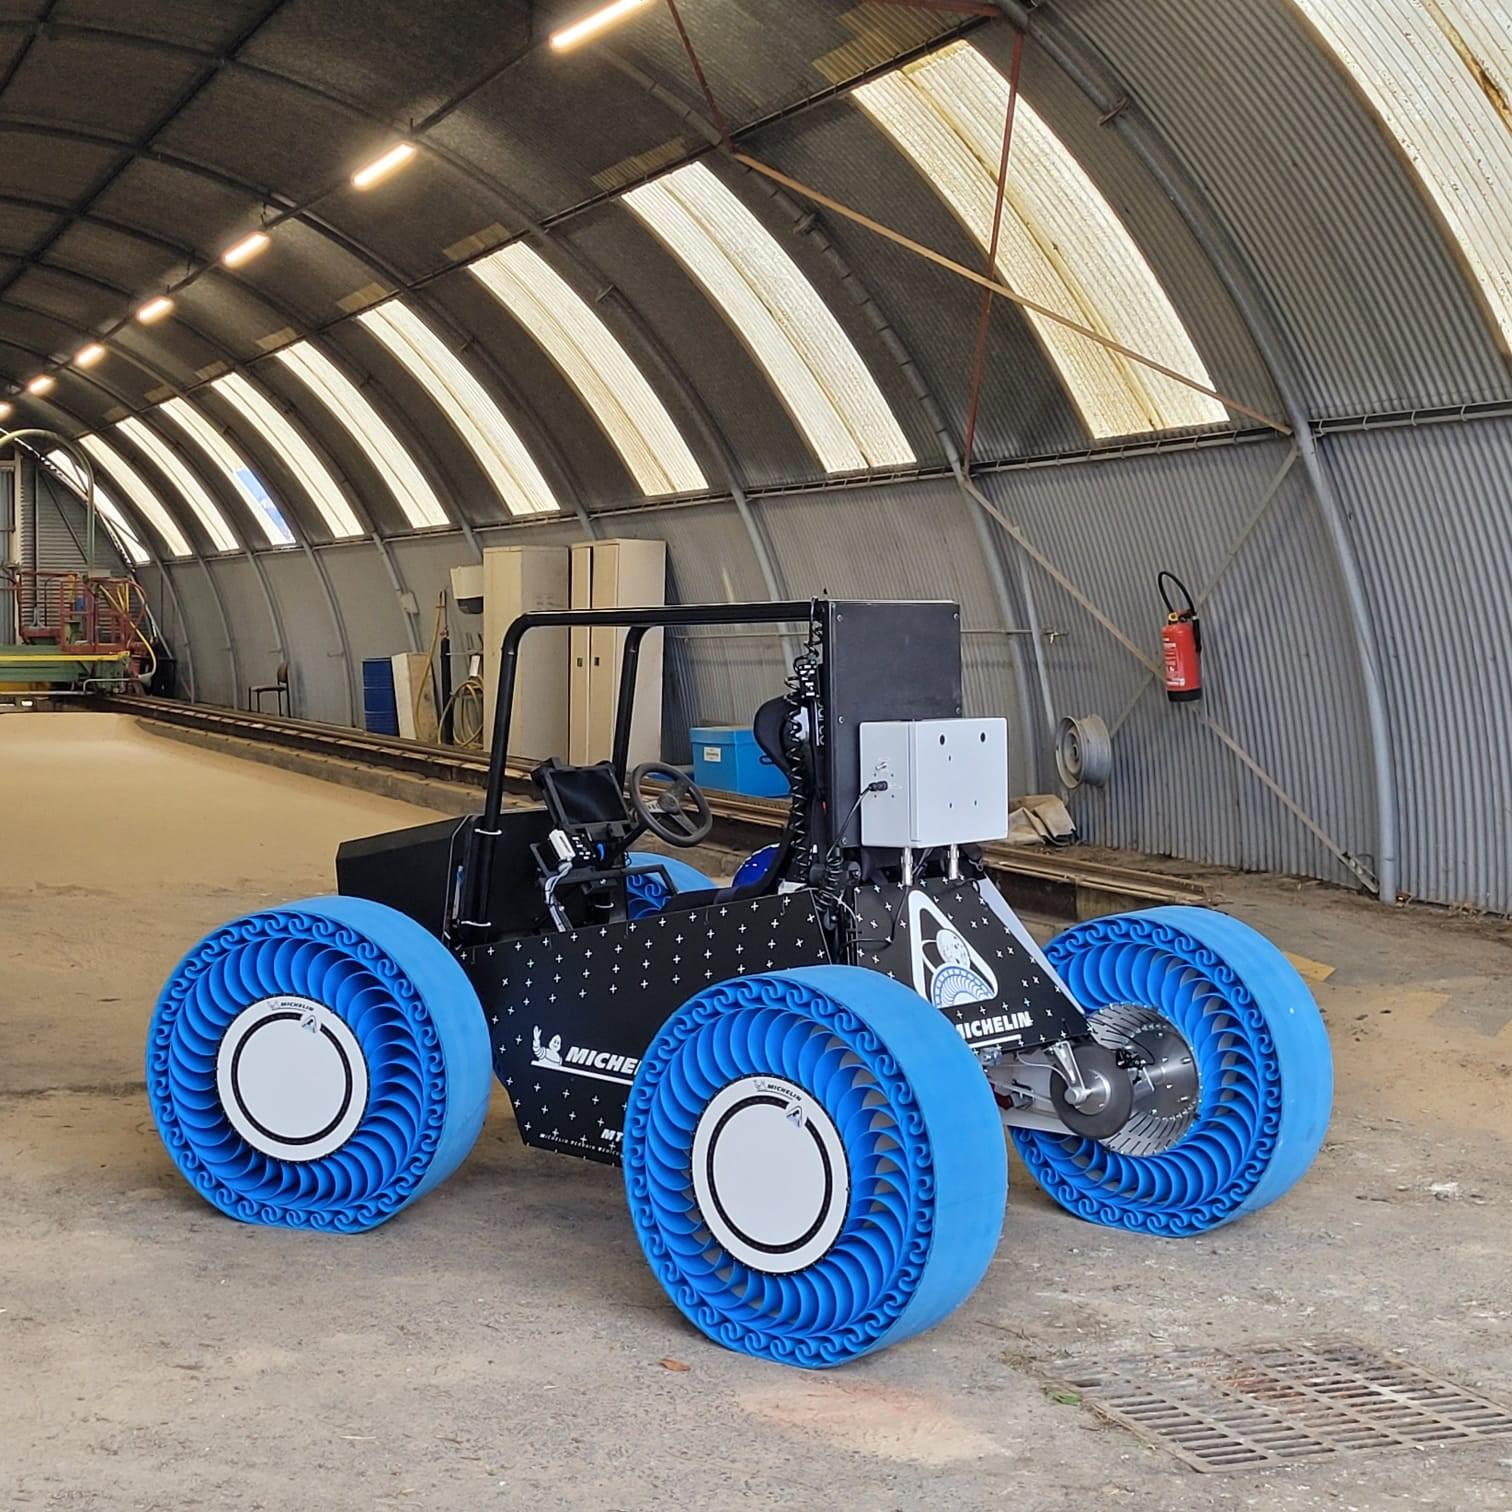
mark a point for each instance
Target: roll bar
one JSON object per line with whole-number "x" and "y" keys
{"x": 478, "y": 865}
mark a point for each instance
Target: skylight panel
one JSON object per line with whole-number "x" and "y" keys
{"x": 596, "y": 365}
{"x": 1439, "y": 75}
{"x": 190, "y": 489}
{"x": 135, "y": 487}
{"x": 105, "y": 505}
{"x": 789, "y": 329}
{"x": 1061, "y": 244}
{"x": 294, "y": 451}
{"x": 414, "y": 496}
{"x": 467, "y": 406}
{"x": 233, "y": 467}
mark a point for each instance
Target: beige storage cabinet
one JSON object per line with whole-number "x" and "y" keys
{"x": 619, "y": 574}
{"x": 522, "y": 580}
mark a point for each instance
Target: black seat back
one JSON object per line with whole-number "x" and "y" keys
{"x": 767, "y": 728}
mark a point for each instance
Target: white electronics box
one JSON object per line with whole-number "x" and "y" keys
{"x": 467, "y": 588}
{"x": 947, "y": 782}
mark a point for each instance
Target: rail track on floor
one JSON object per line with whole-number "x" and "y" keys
{"x": 1064, "y": 882}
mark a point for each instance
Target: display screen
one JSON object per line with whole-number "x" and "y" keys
{"x": 587, "y": 795}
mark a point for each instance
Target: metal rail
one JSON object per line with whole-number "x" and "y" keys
{"x": 1062, "y": 883}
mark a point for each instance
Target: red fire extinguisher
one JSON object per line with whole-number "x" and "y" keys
{"x": 1180, "y": 644}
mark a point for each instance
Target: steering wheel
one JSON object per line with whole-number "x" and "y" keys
{"x": 679, "y": 813}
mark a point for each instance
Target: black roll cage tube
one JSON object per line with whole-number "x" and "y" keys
{"x": 478, "y": 863}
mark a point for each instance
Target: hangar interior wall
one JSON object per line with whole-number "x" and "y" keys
{"x": 1239, "y": 521}
{"x": 561, "y": 320}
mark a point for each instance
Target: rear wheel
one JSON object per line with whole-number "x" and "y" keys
{"x": 1235, "y": 1078}
{"x": 815, "y": 1164}
{"x": 318, "y": 1065}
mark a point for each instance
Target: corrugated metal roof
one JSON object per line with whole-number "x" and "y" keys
{"x": 409, "y": 486}
{"x": 467, "y": 406}
{"x": 185, "y": 483}
{"x": 234, "y": 470}
{"x": 1439, "y": 72}
{"x": 143, "y": 497}
{"x": 1061, "y": 243}
{"x": 597, "y": 366}
{"x": 1346, "y": 249}
{"x": 777, "y": 311}
{"x": 296, "y": 454}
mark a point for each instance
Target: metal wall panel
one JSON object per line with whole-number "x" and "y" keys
{"x": 251, "y": 624}
{"x": 907, "y": 540}
{"x": 213, "y": 677}
{"x": 369, "y": 604}
{"x": 1296, "y": 707}
{"x": 1428, "y": 510}
{"x": 317, "y": 671}
{"x": 61, "y": 527}
{"x": 1279, "y": 663}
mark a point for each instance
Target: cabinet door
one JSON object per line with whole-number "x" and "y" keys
{"x": 641, "y": 581}
{"x": 604, "y": 651}
{"x": 521, "y": 580}
{"x": 579, "y": 717}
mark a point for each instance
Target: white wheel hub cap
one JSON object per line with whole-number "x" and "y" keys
{"x": 292, "y": 1078}
{"x": 770, "y": 1174}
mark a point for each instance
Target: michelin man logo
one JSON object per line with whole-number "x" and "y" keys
{"x": 946, "y": 970}
{"x": 546, "y": 1055}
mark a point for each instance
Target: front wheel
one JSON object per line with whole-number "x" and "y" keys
{"x": 815, "y": 1164}
{"x": 1235, "y": 1057}
{"x": 319, "y": 1065}
{"x": 647, "y": 893}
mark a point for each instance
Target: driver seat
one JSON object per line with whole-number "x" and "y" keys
{"x": 766, "y": 726}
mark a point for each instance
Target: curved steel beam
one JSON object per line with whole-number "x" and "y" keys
{"x": 155, "y": 559}
{"x": 913, "y": 375}
{"x": 104, "y": 222}
{"x": 1096, "y": 78}
{"x": 161, "y": 121}
{"x": 232, "y": 517}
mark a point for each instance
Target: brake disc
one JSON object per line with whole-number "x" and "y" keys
{"x": 1167, "y": 1088}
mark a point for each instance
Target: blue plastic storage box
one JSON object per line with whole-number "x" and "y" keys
{"x": 727, "y": 759}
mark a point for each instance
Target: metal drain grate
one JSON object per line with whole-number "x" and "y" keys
{"x": 1277, "y": 1404}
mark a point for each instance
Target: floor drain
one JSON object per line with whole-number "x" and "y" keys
{"x": 1277, "y": 1404}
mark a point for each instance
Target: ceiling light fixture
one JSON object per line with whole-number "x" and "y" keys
{"x": 591, "y": 26}
{"x": 380, "y": 168}
{"x": 245, "y": 250}
{"x": 43, "y": 383}
{"x": 87, "y": 356}
{"x": 6, "y": 409}
{"x": 155, "y": 309}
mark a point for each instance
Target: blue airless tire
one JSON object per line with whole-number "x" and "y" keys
{"x": 380, "y": 1099}
{"x": 647, "y": 894}
{"x": 1265, "y": 1072}
{"x": 815, "y": 1164}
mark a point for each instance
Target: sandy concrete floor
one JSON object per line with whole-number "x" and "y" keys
{"x": 500, "y": 1345}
